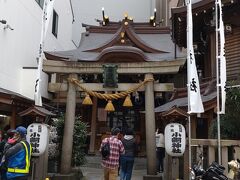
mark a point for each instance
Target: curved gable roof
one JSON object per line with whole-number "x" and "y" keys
{"x": 127, "y": 31}
{"x": 142, "y": 42}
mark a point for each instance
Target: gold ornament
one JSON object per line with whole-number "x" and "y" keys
{"x": 127, "y": 102}
{"x": 109, "y": 107}
{"x": 87, "y": 100}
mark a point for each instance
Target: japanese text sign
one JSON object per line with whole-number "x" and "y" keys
{"x": 175, "y": 139}
{"x": 37, "y": 136}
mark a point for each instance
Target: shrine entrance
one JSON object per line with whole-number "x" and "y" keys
{"x": 136, "y": 59}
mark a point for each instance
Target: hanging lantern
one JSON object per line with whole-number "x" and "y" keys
{"x": 87, "y": 100}
{"x": 127, "y": 102}
{"x": 109, "y": 106}
{"x": 175, "y": 139}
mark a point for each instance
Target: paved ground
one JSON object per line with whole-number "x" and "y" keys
{"x": 97, "y": 174}
{"x": 93, "y": 170}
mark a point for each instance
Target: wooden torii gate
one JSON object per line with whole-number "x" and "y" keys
{"x": 73, "y": 69}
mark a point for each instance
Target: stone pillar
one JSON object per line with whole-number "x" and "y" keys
{"x": 66, "y": 156}
{"x": 211, "y": 154}
{"x": 13, "y": 117}
{"x": 225, "y": 158}
{"x": 165, "y": 164}
{"x": 150, "y": 127}
{"x": 168, "y": 170}
{"x": 93, "y": 126}
{"x": 40, "y": 164}
{"x": 186, "y": 163}
{"x": 237, "y": 152}
{"x": 175, "y": 168}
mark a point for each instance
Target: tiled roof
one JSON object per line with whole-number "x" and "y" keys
{"x": 36, "y": 110}
{"x": 155, "y": 46}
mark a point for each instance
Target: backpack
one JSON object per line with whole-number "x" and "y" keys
{"x": 105, "y": 151}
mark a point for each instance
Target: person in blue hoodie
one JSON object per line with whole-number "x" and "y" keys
{"x": 127, "y": 159}
{"x": 18, "y": 156}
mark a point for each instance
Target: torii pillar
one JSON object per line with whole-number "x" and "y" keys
{"x": 66, "y": 156}
{"x": 93, "y": 126}
{"x": 150, "y": 126}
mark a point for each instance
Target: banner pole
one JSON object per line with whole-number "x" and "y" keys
{"x": 217, "y": 83}
{"x": 188, "y": 89}
{"x": 189, "y": 145}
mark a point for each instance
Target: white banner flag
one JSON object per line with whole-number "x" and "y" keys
{"x": 47, "y": 12}
{"x": 223, "y": 76}
{"x": 194, "y": 96}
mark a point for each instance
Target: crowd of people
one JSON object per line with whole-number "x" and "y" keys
{"x": 15, "y": 154}
{"x": 123, "y": 150}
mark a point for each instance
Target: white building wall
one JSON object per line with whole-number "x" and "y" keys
{"x": 19, "y": 47}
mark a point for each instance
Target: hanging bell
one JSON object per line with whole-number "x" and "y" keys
{"x": 127, "y": 102}
{"x": 87, "y": 100}
{"x": 109, "y": 106}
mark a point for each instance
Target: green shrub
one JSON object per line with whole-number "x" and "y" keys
{"x": 79, "y": 139}
{"x": 230, "y": 121}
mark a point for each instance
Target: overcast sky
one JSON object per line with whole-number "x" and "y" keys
{"x": 85, "y": 11}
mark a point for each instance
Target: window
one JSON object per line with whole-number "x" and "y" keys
{"x": 40, "y": 2}
{"x": 55, "y": 23}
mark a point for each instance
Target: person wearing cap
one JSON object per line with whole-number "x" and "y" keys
{"x": 10, "y": 140}
{"x": 18, "y": 156}
{"x": 6, "y": 143}
{"x": 111, "y": 164}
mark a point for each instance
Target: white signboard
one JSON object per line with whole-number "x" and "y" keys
{"x": 175, "y": 139}
{"x": 37, "y": 136}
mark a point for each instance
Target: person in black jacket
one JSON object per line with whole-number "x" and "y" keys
{"x": 160, "y": 150}
{"x": 5, "y": 144}
{"x": 2, "y": 144}
{"x": 127, "y": 159}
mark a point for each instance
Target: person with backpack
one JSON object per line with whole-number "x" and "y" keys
{"x": 127, "y": 160}
{"x": 111, "y": 148}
